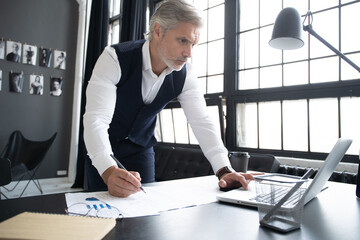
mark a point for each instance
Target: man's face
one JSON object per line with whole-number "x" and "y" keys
{"x": 176, "y": 44}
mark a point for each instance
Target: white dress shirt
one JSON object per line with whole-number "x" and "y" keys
{"x": 100, "y": 105}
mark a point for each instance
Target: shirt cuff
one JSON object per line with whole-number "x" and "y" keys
{"x": 102, "y": 161}
{"x": 218, "y": 161}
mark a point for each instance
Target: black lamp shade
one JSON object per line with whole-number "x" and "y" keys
{"x": 287, "y": 30}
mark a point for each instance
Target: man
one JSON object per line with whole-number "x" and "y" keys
{"x": 130, "y": 84}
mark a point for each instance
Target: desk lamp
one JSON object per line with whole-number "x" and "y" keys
{"x": 287, "y": 35}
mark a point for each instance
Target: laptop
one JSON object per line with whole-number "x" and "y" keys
{"x": 247, "y": 197}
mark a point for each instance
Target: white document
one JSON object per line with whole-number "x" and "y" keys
{"x": 160, "y": 196}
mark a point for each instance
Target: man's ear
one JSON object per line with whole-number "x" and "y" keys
{"x": 158, "y": 31}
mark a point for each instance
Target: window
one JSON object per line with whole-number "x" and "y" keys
{"x": 208, "y": 56}
{"x": 208, "y": 61}
{"x": 114, "y": 21}
{"x": 300, "y": 101}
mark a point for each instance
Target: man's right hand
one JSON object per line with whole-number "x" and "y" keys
{"x": 121, "y": 183}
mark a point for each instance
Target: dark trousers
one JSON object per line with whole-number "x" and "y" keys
{"x": 132, "y": 156}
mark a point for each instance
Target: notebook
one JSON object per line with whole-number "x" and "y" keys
{"x": 30, "y": 225}
{"x": 247, "y": 197}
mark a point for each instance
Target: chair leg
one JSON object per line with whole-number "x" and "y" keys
{"x": 32, "y": 179}
{"x": 37, "y": 184}
{"x": 9, "y": 190}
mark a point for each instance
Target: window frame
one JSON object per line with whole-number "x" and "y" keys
{"x": 311, "y": 91}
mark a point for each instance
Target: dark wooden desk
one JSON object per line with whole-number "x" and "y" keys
{"x": 334, "y": 214}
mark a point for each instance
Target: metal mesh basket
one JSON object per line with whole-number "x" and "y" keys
{"x": 280, "y": 201}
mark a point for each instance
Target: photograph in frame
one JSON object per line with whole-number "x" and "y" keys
{"x": 36, "y": 84}
{"x": 45, "y": 55}
{"x": 16, "y": 81}
{"x": 56, "y": 86}
{"x": 13, "y": 51}
{"x": 29, "y": 54}
{"x": 2, "y": 48}
{"x": 60, "y": 59}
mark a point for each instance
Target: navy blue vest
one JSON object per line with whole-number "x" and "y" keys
{"x": 133, "y": 119}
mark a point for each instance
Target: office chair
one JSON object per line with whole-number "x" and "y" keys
{"x": 25, "y": 156}
{"x": 5, "y": 173}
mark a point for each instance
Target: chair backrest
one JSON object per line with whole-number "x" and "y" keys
{"x": 22, "y": 150}
{"x": 5, "y": 171}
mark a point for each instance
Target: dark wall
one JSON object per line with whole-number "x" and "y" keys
{"x": 49, "y": 24}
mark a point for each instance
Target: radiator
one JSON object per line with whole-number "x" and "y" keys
{"x": 344, "y": 177}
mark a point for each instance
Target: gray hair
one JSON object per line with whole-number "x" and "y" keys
{"x": 172, "y": 12}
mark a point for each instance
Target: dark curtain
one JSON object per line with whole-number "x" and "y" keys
{"x": 97, "y": 41}
{"x": 134, "y": 23}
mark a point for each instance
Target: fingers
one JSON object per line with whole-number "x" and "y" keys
{"x": 236, "y": 180}
{"x": 122, "y": 183}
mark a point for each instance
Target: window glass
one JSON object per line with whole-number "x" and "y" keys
{"x": 347, "y": 71}
{"x": 295, "y": 128}
{"x": 249, "y": 49}
{"x": 199, "y": 59}
{"x": 326, "y": 24}
{"x": 248, "y": 79}
{"x": 114, "y": 33}
{"x": 324, "y": 125}
{"x": 269, "y": 9}
{"x": 350, "y": 122}
{"x": 215, "y": 84}
{"x": 246, "y": 125}
{"x": 249, "y": 14}
{"x": 316, "y": 5}
{"x": 301, "y": 6}
{"x": 324, "y": 70}
{"x": 200, "y": 4}
{"x": 270, "y": 77}
{"x": 216, "y": 57}
{"x": 180, "y": 124}
{"x": 215, "y": 2}
{"x": 270, "y": 125}
{"x": 350, "y": 20}
{"x": 114, "y": 7}
{"x": 167, "y": 127}
{"x": 296, "y": 73}
{"x": 216, "y": 23}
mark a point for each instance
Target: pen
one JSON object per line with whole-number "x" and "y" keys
{"x": 122, "y": 167}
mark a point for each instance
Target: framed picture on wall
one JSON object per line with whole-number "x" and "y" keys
{"x": 29, "y": 54}
{"x": 0, "y": 79}
{"x": 60, "y": 59}
{"x": 13, "y": 51}
{"x": 56, "y": 86}
{"x": 2, "y": 48}
{"x": 36, "y": 84}
{"x": 16, "y": 81}
{"x": 45, "y": 55}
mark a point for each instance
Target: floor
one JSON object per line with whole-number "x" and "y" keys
{"x": 49, "y": 186}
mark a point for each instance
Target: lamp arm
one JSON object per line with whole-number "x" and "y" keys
{"x": 309, "y": 29}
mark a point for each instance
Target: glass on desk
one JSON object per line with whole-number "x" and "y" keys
{"x": 280, "y": 201}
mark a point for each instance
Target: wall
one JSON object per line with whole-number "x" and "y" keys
{"x": 51, "y": 24}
